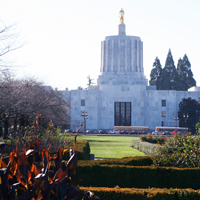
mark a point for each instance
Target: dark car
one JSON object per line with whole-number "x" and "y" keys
{"x": 95, "y": 131}
{"x": 134, "y": 132}
{"x": 103, "y": 131}
{"x": 166, "y": 133}
{"x": 124, "y": 132}
{"x": 144, "y": 132}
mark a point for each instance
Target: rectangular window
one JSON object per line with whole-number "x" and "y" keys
{"x": 163, "y": 103}
{"x": 122, "y": 113}
{"x": 163, "y": 114}
{"x": 82, "y": 102}
{"x": 162, "y": 123}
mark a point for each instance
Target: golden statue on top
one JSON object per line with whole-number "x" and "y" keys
{"x": 121, "y": 16}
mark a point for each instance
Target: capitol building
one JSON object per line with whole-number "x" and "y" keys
{"x": 122, "y": 96}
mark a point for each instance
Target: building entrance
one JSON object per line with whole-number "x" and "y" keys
{"x": 122, "y": 113}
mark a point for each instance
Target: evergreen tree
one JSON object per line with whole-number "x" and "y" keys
{"x": 190, "y": 81}
{"x": 182, "y": 75}
{"x": 189, "y": 113}
{"x": 185, "y": 74}
{"x": 169, "y": 76}
{"x": 156, "y": 74}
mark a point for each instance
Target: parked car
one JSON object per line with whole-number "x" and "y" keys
{"x": 89, "y": 131}
{"x": 92, "y": 131}
{"x": 157, "y": 133}
{"x": 103, "y": 131}
{"x": 166, "y": 133}
{"x": 95, "y": 131}
{"x": 144, "y": 132}
{"x": 113, "y": 132}
{"x": 116, "y": 132}
{"x": 134, "y": 132}
{"x": 124, "y": 132}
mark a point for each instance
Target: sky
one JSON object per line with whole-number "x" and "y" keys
{"x": 62, "y": 38}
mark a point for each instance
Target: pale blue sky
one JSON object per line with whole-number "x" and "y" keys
{"x": 64, "y": 37}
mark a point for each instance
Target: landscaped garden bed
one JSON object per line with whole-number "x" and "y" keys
{"x": 172, "y": 164}
{"x": 118, "y": 193}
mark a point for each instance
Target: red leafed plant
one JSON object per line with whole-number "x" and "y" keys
{"x": 28, "y": 176}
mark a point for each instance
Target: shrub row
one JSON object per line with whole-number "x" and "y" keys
{"x": 145, "y": 147}
{"x": 155, "y": 139}
{"x": 82, "y": 147}
{"x": 179, "y": 151}
{"x": 138, "y": 177}
{"x": 141, "y": 194}
{"x": 132, "y": 161}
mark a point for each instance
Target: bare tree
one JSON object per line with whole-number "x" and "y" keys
{"x": 35, "y": 97}
{"x": 21, "y": 100}
{"x": 9, "y": 41}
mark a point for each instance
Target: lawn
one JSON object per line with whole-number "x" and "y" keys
{"x": 111, "y": 146}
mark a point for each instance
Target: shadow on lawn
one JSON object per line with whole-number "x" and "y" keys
{"x": 99, "y": 141}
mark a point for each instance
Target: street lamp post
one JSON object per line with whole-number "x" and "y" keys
{"x": 176, "y": 119}
{"x": 85, "y": 116}
{"x": 186, "y": 116}
{"x": 197, "y": 116}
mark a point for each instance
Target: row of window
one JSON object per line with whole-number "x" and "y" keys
{"x": 163, "y": 103}
{"x": 122, "y": 112}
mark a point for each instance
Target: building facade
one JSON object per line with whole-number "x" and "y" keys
{"x": 122, "y": 96}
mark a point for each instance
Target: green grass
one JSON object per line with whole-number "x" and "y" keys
{"x": 111, "y": 146}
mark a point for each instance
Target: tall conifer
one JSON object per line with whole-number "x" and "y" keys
{"x": 156, "y": 74}
{"x": 169, "y": 76}
{"x": 190, "y": 81}
{"x": 182, "y": 75}
{"x": 185, "y": 74}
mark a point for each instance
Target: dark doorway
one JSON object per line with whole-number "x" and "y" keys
{"x": 122, "y": 113}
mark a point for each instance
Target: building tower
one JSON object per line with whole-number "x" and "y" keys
{"x": 122, "y": 59}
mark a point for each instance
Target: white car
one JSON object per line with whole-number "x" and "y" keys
{"x": 157, "y": 133}
{"x": 113, "y": 132}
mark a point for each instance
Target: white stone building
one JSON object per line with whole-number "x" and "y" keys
{"x": 122, "y": 96}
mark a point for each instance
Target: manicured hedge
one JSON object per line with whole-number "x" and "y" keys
{"x": 138, "y": 177}
{"x": 141, "y": 194}
{"x": 82, "y": 147}
{"x": 132, "y": 161}
{"x": 145, "y": 147}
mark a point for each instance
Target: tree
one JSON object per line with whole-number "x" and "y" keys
{"x": 185, "y": 73}
{"x": 189, "y": 111}
{"x": 9, "y": 41}
{"x": 169, "y": 76}
{"x": 182, "y": 75}
{"x": 21, "y": 100}
{"x": 155, "y": 76}
{"x": 50, "y": 103}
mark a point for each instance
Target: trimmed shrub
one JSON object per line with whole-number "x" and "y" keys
{"x": 118, "y": 193}
{"x": 179, "y": 151}
{"x": 138, "y": 177}
{"x": 145, "y": 147}
{"x": 82, "y": 147}
{"x": 132, "y": 161}
{"x": 155, "y": 139}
